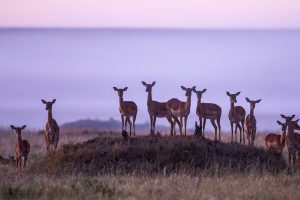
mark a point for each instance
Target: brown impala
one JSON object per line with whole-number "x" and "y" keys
{"x": 127, "y": 109}
{"x": 209, "y": 111}
{"x": 276, "y": 141}
{"x": 22, "y": 148}
{"x": 250, "y": 123}
{"x": 236, "y": 116}
{"x": 156, "y": 109}
{"x": 181, "y": 109}
{"x": 291, "y": 138}
{"x": 52, "y": 129}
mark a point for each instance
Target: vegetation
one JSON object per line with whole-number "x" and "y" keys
{"x": 100, "y": 165}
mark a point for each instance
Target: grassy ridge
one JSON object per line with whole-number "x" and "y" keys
{"x": 156, "y": 155}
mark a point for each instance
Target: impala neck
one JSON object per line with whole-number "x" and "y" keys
{"x": 231, "y": 106}
{"x": 50, "y": 118}
{"x": 188, "y": 103}
{"x": 149, "y": 97}
{"x": 19, "y": 141}
{"x": 290, "y": 129}
{"x": 252, "y": 112}
{"x": 198, "y": 102}
{"x": 121, "y": 101}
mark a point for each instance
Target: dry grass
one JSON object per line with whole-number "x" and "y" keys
{"x": 221, "y": 183}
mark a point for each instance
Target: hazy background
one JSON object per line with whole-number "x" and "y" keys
{"x": 80, "y": 67}
{"x": 76, "y": 51}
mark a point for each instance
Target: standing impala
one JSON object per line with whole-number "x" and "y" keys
{"x": 181, "y": 109}
{"x": 292, "y": 139}
{"x": 208, "y": 111}
{"x": 156, "y": 109}
{"x": 22, "y": 148}
{"x": 276, "y": 141}
{"x": 127, "y": 109}
{"x": 52, "y": 129}
{"x": 250, "y": 123}
{"x": 236, "y": 116}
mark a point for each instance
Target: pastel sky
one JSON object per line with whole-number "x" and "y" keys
{"x": 151, "y": 13}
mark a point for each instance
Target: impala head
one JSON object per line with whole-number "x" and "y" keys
{"x": 288, "y": 118}
{"x": 148, "y": 86}
{"x": 199, "y": 93}
{"x": 283, "y": 126}
{"x": 188, "y": 91}
{"x": 18, "y": 130}
{"x": 120, "y": 91}
{"x": 252, "y": 103}
{"x": 48, "y": 103}
{"x": 233, "y": 96}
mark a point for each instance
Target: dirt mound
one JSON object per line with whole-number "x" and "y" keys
{"x": 156, "y": 155}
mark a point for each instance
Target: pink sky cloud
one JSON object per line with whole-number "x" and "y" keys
{"x": 151, "y": 13}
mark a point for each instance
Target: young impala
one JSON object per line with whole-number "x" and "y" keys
{"x": 127, "y": 109}
{"x": 22, "y": 148}
{"x": 156, "y": 109}
{"x": 276, "y": 141}
{"x": 236, "y": 116}
{"x": 209, "y": 111}
{"x": 181, "y": 109}
{"x": 250, "y": 123}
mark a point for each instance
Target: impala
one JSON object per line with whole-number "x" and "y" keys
{"x": 250, "y": 123}
{"x": 276, "y": 141}
{"x": 209, "y": 111}
{"x": 156, "y": 109}
{"x": 127, "y": 109}
{"x": 236, "y": 116}
{"x": 22, "y": 148}
{"x": 181, "y": 109}
{"x": 51, "y": 129}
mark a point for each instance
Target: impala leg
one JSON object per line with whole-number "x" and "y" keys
{"x": 171, "y": 123}
{"x": 204, "y": 122}
{"x": 215, "y": 127}
{"x": 180, "y": 127}
{"x": 185, "y": 122}
{"x": 243, "y": 130}
{"x": 134, "y": 118}
{"x": 290, "y": 156}
{"x": 294, "y": 157}
{"x": 231, "y": 125}
{"x": 122, "y": 120}
{"x": 200, "y": 124}
{"x": 151, "y": 124}
{"x": 130, "y": 124}
{"x": 235, "y": 132}
{"x": 154, "y": 122}
{"x": 174, "y": 124}
{"x": 219, "y": 126}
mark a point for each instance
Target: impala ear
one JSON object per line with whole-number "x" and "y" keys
{"x": 228, "y": 94}
{"x": 279, "y": 122}
{"x": 238, "y": 93}
{"x": 283, "y": 116}
{"x": 53, "y": 101}
{"x": 43, "y": 101}
{"x": 115, "y": 89}
{"x": 296, "y": 121}
{"x": 203, "y": 90}
{"x": 182, "y": 87}
{"x": 23, "y": 127}
{"x": 194, "y": 88}
{"x": 258, "y": 101}
{"x": 153, "y": 83}
{"x": 293, "y": 116}
{"x": 144, "y": 83}
{"x": 12, "y": 127}
{"x": 125, "y": 88}
{"x": 248, "y": 100}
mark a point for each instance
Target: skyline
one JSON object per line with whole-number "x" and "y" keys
{"x": 178, "y": 14}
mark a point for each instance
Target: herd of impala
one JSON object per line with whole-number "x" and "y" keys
{"x": 174, "y": 109}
